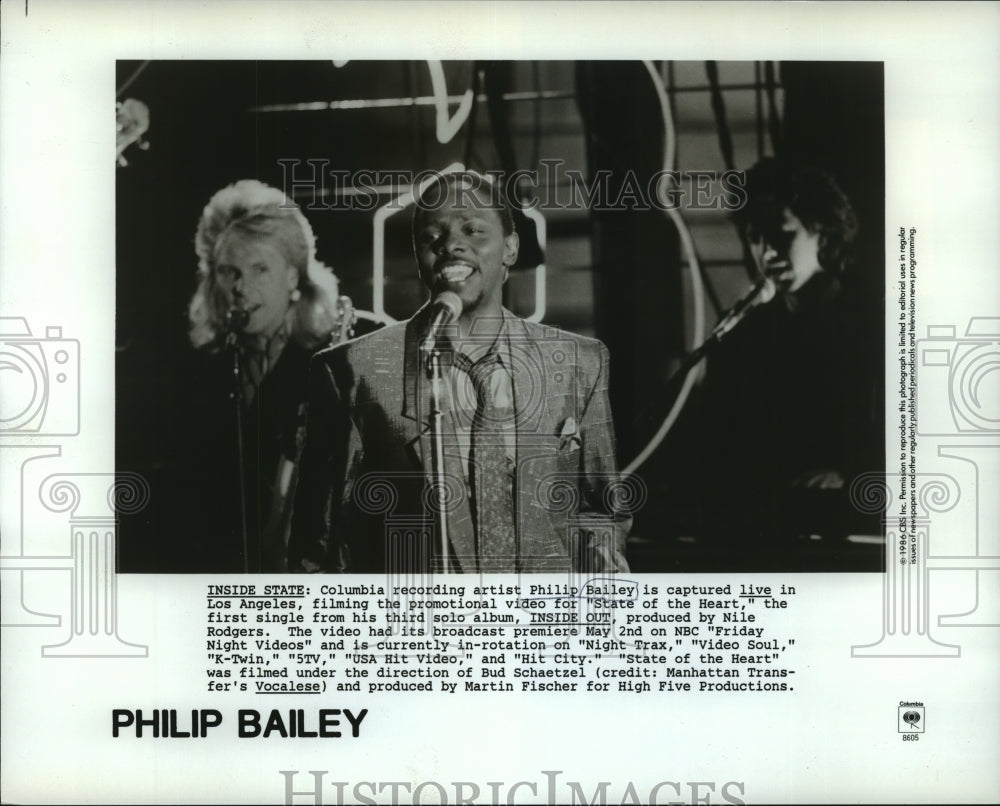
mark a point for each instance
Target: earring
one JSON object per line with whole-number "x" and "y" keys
{"x": 296, "y": 295}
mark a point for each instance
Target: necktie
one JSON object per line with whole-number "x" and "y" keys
{"x": 493, "y": 508}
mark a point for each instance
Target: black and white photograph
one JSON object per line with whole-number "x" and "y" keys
{"x": 681, "y": 266}
{"x": 493, "y": 402}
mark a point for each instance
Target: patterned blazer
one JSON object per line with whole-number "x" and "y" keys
{"x": 364, "y": 502}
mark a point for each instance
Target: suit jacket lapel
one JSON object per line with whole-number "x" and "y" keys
{"x": 530, "y": 402}
{"x": 536, "y": 435}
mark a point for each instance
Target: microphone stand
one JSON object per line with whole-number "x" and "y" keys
{"x": 761, "y": 293}
{"x": 236, "y": 395}
{"x": 435, "y": 373}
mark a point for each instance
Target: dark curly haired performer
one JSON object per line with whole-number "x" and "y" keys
{"x": 789, "y": 413}
{"x": 801, "y": 228}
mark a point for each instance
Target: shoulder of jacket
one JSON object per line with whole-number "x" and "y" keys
{"x": 364, "y": 347}
{"x": 585, "y": 345}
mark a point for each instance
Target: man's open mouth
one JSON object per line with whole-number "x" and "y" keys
{"x": 455, "y": 272}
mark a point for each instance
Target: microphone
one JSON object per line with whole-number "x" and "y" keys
{"x": 445, "y": 309}
{"x": 237, "y": 319}
{"x": 762, "y": 292}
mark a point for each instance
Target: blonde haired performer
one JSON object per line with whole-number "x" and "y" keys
{"x": 251, "y": 226}
{"x": 263, "y": 305}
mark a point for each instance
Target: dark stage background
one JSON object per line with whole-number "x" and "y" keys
{"x": 620, "y": 275}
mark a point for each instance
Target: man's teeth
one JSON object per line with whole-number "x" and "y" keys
{"x": 455, "y": 274}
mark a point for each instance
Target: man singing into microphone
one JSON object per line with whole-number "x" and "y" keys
{"x": 528, "y": 444}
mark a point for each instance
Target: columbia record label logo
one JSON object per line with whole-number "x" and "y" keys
{"x": 911, "y": 717}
